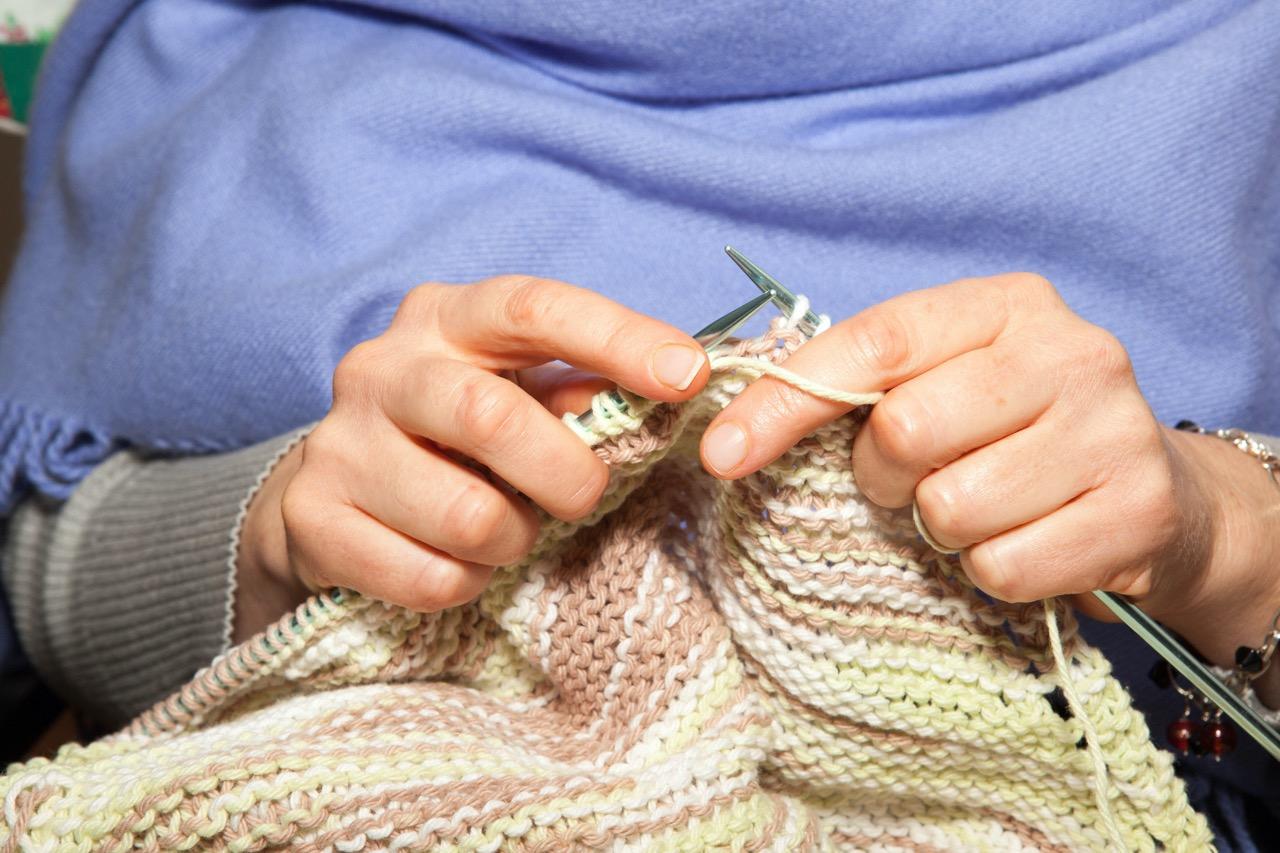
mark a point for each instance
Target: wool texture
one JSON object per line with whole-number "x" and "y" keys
{"x": 330, "y": 156}
{"x": 771, "y": 663}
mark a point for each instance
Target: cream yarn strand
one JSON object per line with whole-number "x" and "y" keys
{"x": 757, "y": 367}
{"x": 1101, "y": 779}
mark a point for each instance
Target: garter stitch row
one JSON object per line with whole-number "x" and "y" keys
{"x": 769, "y": 664}
{"x": 759, "y": 367}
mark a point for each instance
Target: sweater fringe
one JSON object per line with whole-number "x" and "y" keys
{"x": 46, "y": 453}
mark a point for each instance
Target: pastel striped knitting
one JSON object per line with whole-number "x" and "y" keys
{"x": 773, "y": 663}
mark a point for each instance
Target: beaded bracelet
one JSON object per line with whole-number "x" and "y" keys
{"x": 1251, "y": 662}
{"x": 1245, "y": 442}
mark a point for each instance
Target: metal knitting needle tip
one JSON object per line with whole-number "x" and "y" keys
{"x": 715, "y": 332}
{"x": 718, "y": 330}
{"x": 778, "y": 292}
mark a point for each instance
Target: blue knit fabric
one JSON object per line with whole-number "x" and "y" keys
{"x": 224, "y": 196}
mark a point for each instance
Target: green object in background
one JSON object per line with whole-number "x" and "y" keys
{"x": 18, "y": 66}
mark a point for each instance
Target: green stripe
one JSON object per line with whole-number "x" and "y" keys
{"x": 18, "y": 66}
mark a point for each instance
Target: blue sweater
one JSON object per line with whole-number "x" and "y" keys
{"x": 224, "y": 196}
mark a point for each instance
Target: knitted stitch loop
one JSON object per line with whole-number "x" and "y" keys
{"x": 757, "y": 367}
{"x": 769, "y": 663}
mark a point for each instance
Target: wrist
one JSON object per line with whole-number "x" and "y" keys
{"x": 1229, "y": 593}
{"x": 266, "y": 587}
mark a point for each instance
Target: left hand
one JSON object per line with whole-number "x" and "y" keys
{"x": 1020, "y": 431}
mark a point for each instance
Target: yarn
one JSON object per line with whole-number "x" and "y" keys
{"x": 768, "y": 663}
{"x": 757, "y": 367}
{"x": 1101, "y": 783}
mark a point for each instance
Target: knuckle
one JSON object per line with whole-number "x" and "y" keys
{"x": 441, "y": 584}
{"x": 420, "y": 302}
{"x": 945, "y": 516}
{"x": 1027, "y": 293}
{"x": 473, "y": 519}
{"x": 1033, "y": 285}
{"x": 298, "y": 508}
{"x": 488, "y": 413}
{"x": 356, "y": 369}
{"x": 305, "y": 530}
{"x": 882, "y": 342}
{"x": 1104, "y": 355}
{"x": 448, "y": 588}
{"x": 771, "y": 410}
{"x": 996, "y": 579}
{"x": 618, "y": 336}
{"x": 900, "y": 429}
{"x": 525, "y": 541}
{"x": 526, "y": 304}
{"x": 320, "y": 445}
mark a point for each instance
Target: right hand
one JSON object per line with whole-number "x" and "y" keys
{"x": 370, "y": 501}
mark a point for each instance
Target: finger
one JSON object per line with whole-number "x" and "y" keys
{"x": 492, "y": 421}
{"x": 1088, "y": 604}
{"x": 970, "y": 401}
{"x": 431, "y": 499}
{"x": 562, "y": 389}
{"x": 520, "y": 321}
{"x": 338, "y": 545}
{"x": 877, "y": 349}
{"x": 1004, "y": 485}
{"x": 1090, "y": 543}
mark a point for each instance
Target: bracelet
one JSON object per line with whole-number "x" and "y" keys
{"x": 1251, "y": 662}
{"x": 1242, "y": 440}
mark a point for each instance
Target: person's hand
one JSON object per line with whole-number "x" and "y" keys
{"x": 375, "y": 499}
{"x": 1019, "y": 430}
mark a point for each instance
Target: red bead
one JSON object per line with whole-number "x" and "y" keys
{"x": 1217, "y": 738}
{"x": 1181, "y": 733}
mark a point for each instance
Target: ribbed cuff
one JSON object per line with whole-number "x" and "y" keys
{"x": 126, "y": 590}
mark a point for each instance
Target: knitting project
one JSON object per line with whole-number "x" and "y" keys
{"x": 772, "y": 663}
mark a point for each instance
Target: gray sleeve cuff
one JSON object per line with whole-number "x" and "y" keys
{"x": 124, "y": 591}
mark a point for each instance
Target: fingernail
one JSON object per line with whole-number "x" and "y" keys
{"x": 675, "y": 365}
{"x": 725, "y": 447}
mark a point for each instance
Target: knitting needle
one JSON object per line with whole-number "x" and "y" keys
{"x": 708, "y": 336}
{"x": 1169, "y": 648}
{"x": 780, "y": 295}
{"x": 1147, "y": 629}
{"x": 721, "y": 328}
{"x": 1151, "y": 632}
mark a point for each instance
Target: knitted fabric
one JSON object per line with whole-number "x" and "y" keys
{"x": 771, "y": 663}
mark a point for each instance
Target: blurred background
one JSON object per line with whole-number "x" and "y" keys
{"x": 10, "y": 207}
{"x": 28, "y": 710}
{"x": 26, "y": 28}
